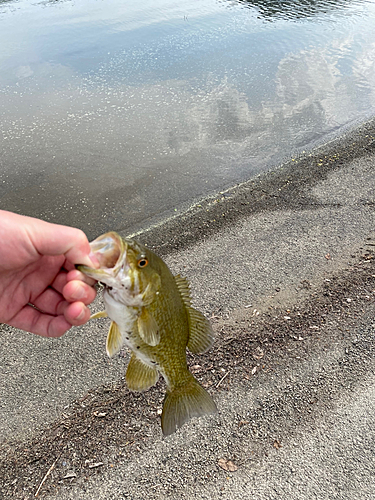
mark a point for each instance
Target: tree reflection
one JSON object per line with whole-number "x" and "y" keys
{"x": 293, "y": 9}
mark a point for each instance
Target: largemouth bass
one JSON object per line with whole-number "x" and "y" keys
{"x": 151, "y": 314}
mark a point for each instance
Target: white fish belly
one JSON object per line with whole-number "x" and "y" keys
{"x": 125, "y": 317}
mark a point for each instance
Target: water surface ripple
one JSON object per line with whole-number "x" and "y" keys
{"x": 117, "y": 112}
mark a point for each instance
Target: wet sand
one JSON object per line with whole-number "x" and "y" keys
{"x": 285, "y": 267}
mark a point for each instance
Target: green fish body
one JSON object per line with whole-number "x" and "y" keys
{"x": 152, "y": 315}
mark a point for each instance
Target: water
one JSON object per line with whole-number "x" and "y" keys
{"x": 115, "y": 112}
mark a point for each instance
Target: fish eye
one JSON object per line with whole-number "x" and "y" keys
{"x": 142, "y": 262}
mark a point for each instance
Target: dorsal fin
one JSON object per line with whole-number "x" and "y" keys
{"x": 201, "y": 336}
{"x": 184, "y": 289}
{"x": 200, "y": 332}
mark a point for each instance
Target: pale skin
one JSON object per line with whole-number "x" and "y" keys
{"x": 40, "y": 289}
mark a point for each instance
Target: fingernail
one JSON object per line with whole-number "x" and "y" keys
{"x": 81, "y": 315}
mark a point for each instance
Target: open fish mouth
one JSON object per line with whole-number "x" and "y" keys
{"x": 110, "y": 250}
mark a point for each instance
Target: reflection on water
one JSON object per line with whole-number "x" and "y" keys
{"x": 115, "y": 112}
{"x": 294, "y": 9}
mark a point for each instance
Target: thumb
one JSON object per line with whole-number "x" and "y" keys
{"x": 54, "y": 239}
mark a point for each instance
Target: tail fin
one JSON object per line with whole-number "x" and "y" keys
{"x": 184, "y": 402}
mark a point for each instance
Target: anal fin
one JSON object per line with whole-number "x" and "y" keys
{"x": 139, "y": 376}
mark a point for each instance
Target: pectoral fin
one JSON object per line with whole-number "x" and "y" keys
{"x": 139, "y": 376}
{"x": 114, "y": 340}
{"x": 148, "y": 328}
{"x": 100, "y": 314}
{"x": 201, "y": 336}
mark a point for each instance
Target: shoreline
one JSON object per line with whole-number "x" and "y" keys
{"x": 280, "y": 188}
{"x": 284, "y": 265}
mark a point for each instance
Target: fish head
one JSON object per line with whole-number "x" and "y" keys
{"x": 125, "y": 269}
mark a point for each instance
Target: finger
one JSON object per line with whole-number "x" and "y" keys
{"x": 68, "y": 266}
{"x": 53, "y": 239}
{"x": 63, "y": 277}
{"x": 60, "y": 281}
{"x": 50, "y": 302}
{"x": 77, "y": 313}
{"x": 45, "y": 325}
{"x": 79, "y": 291}
{"x": 77, "y": 275}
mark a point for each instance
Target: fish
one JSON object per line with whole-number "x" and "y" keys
{"x": 151, "y": 314}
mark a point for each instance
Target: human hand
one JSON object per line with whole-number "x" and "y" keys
{"x": 40, "y": 290}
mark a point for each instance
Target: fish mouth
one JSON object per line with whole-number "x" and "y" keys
{"x": 110, "y": 250}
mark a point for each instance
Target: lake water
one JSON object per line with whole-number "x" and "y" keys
{"x": 115, "y": 112}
